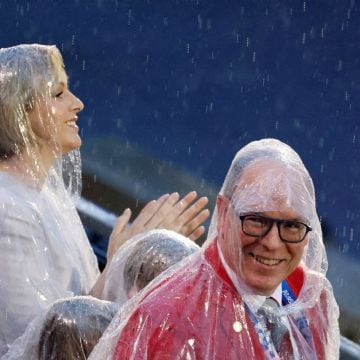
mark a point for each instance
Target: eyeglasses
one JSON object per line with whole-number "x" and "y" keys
{"x": 290, "y": 231}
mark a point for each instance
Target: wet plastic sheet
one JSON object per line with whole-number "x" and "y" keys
{"x": 210, "y": 306}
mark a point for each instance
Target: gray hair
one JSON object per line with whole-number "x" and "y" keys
{"x": 153, "y": 255}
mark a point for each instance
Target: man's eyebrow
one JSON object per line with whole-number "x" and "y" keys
{"x": 295, "y": 218}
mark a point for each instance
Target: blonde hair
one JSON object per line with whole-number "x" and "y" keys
{"x": 27, "y": 73}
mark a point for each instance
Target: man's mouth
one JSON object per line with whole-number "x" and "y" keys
{"x": 266, "y": 261}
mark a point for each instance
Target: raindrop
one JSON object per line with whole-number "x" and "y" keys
{"x": 200, "y": 21}
{"x": 188, "y": 48}
{"x": 119, "y": 123}
{"x": 129, "y": 16}
{"x": 339, "y": 65}
{"x": 254, "y": 56}
{"x": 349, "y": 13}
{"x": 351, "y": 236}
{"x": 118, "y": 90}
{"x": 208, "y": 24}
{"x": 83, "y": 65}
{"x": 304, "y": 6}
{"x": 303, "y": 39}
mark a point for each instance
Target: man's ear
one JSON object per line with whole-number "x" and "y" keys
{"x": 222, "y": 204}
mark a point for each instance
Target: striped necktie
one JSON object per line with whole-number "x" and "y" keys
{"x": 278, "y": 330}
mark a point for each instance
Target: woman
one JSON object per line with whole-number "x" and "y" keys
{"x": 45, "y": 252}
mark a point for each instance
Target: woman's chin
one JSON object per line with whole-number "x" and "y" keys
{"x": 70, "y": 146}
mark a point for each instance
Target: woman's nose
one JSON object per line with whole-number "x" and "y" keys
{"x": 78, "y": 105}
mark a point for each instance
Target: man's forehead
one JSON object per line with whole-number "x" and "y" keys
{"x": 271, "y": 185}
{"x": 261, "y": 171}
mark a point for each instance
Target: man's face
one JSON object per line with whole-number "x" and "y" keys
{"x": 260, "y": 262}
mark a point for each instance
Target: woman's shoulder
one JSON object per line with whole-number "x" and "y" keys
{"x": 18, "y": 206}
{"x": 14, "y": 193}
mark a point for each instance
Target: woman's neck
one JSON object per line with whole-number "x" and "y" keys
{"x": 32, "y": 165}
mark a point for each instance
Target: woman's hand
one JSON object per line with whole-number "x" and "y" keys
{"x": 168, "y": 212}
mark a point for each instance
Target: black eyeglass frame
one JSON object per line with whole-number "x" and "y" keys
{"x": 278, "y": 223}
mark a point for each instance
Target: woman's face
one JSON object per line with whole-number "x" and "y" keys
{"x": 54, "y": 116}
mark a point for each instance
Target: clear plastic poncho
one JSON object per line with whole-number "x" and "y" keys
{"x": 45, "y": 253}
{"x": 141, "y": 259}
{"x": 241, "y": 296}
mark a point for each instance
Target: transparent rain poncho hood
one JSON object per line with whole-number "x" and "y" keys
{"x": 45, "y": 252}
{"x": 215, "y": 304}
{"x": 141, "y": 259}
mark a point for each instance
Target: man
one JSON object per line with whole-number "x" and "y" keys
{"x": 257, "y": 290}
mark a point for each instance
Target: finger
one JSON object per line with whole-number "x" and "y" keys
{"x": 197, "y": 233}
{"x": 190, "y": 213}
{"x": 148, "y": 211}
{"x": 121, "y": 222}
{"x": 190, "y": 227}
{"x": 118, "y": 235}
{"x": 163, "y": 211}
{"x": 178, "y": 209}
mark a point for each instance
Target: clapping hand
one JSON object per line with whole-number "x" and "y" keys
{"x": 167, "y": 212}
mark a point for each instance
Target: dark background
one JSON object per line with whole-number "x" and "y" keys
{"x": 193, "y": 81}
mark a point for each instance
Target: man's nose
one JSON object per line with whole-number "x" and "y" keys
{"x": 272, "y": 239}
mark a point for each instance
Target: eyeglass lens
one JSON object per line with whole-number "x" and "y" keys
{"x": 289, "y": 230}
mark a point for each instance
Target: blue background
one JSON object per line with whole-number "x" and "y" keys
{"x": 193, "y": 81}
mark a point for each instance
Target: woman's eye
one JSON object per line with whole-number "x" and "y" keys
{"x": 59, "y": 94}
